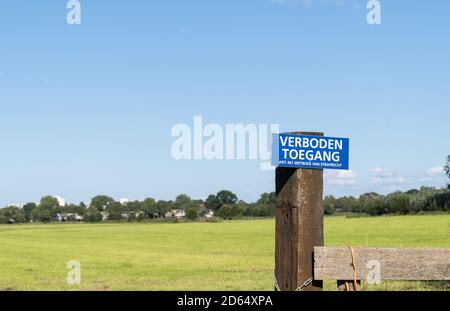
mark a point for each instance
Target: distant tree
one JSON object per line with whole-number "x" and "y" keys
{"x": 35, "y": 215}
{"x": 373, "y": 204}
{"x": 329, "y": 205}
{"x": 398, "y": 202}
{"x": 75, "y": 209}
{"x": 198, "y": 202}
{"x": 423, "y": 201}
{"x": 45, "y": 216}
{"x": 250, "y": 210}
{"x": 149, "y": 207}
{"x": 41, "y": 214}
{"x": 182, "y": 201}
{"x": 441, "y": 200}
{"x": 150, "y": 201}
{"x": 27, "y": 208}
{"x": 242, "y": 203}
{"x": 229, "y": 211}
{"x": 226, "y": 197}
{"x": 266, "y": 210}
{"x": 347, "y": 205}
{"x": 267, "y": 198}
{"x": 212, "y": 203}
{"x": 215, "y": 202}
{"x": 115, "y": 210}
{"x": 93, "y": 215}
{"x": 100, "y": 202}
{"x": 163, "y": 207}
{"x": 192, "y": 213}
{"x": 114, "y": 216}
{"x": 13, "y": 213}
{"x": 417, "y": 201}
{"x": 135, "y": 206}
{"x": 412, "y": 191}
{"x": 49, "y": 203}
{"x": 140, "y": 217}
{"x": 19, "y": 216}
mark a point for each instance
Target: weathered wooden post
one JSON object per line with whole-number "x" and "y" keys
{"x": 299, "y": 225}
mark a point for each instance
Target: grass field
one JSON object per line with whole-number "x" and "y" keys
{"x": 235, "y": 255}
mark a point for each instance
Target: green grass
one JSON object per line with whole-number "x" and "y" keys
{"x": 235, "y": 255}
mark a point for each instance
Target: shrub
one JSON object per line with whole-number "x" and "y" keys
{"x": 191, "y": 213}
{"x": 93, "y": 216}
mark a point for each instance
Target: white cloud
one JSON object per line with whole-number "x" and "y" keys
{"x": 382, "y": 176}
{"x": 435, "y": 173}
{"x": 377, "y": 170}
{"x": 341, "y": 178}
{"x": 436, "y": 170}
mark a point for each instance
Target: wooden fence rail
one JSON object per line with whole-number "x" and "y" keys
{"x": 336, "y": 263}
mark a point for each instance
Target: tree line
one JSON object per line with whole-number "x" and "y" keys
{"x": 414, "y": 201}
{"x": 225, "y": 204}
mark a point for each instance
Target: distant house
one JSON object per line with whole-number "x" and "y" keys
{"x": 155, "y": 215}
{"x": 74, "y": 217}
{"x": 129, "y": 215}
{"x": 209, "y": 214}
{"x": 67, "y": 217}
{"x": 60, "y": 199}
{"x": 105, "y": 216}
{"x": 124, "y": 201}
{"x": 57, "y": 217}
{"x": 205, "y": 212}
{"x": 175, "y": 213}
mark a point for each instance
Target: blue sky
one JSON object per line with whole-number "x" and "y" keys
{"x": 88, "y": 109}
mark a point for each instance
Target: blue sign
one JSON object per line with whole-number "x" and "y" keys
{"x": 302, "y": 151}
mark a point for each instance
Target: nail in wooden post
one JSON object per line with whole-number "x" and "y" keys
{"x": 299, "y": 224}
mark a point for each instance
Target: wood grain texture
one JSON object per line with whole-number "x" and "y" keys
{"x": 335, "y": 263}
{"x": 299, "y": 225}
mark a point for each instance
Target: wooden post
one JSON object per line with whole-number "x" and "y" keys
{"x": 299, "y": 225}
